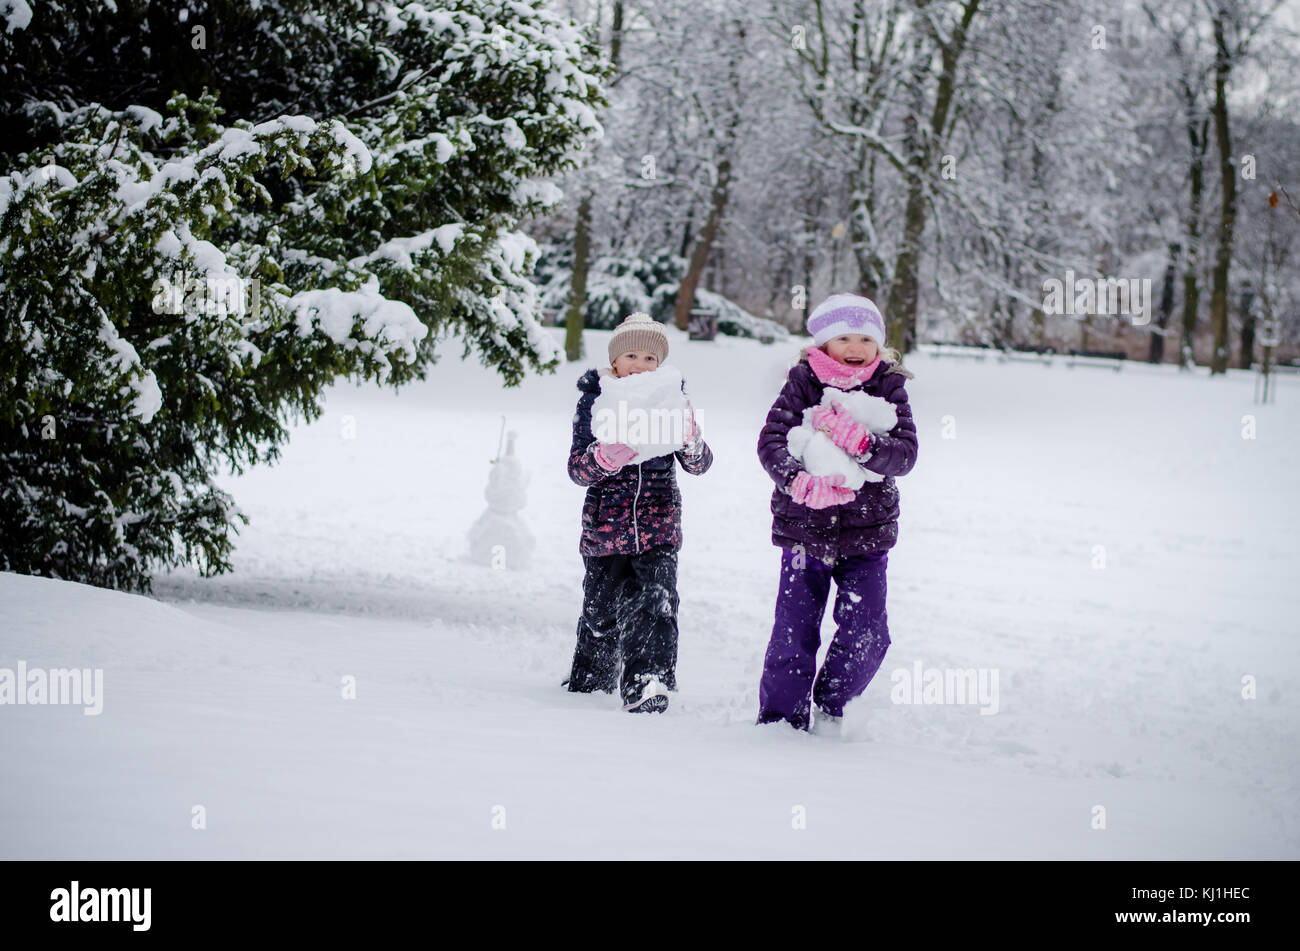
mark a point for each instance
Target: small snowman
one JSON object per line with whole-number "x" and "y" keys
{"x": 499, "y": 538}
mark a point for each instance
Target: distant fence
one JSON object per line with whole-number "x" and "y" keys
{"x": 1073, "y": 357}
{"x": 1105, "y": 359}
{"x": 940, "y": 348}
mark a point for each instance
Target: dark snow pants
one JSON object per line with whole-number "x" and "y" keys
{"x": 629, "y": 613}
{"x": 855, "y": 653}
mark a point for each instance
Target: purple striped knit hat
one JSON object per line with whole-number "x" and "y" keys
{"x": 846, "y": 314}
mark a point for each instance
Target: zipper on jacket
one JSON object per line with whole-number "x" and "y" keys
{"x": 636, "y": 534}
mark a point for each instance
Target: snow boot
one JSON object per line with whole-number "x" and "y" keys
{"x": 826, "y": 725}
{"x": 653, "y": 699}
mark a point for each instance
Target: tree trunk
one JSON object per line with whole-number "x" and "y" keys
{"x": 1191, "y": 287}
{"x": 616, "y": 34}
{"x": 1008, "y": 307}
{"x": 904, "y": 290}
{"x": 807, "y": 287}
{"x": 578, "y": 288}
{"x": 573, "y": 343}
{"x": 871, "y": 267}
{"x": 718, "y": 199}
{"x": 835, "y": 265}
{"x": 1228, "y": 207}
{"x": 719, "y": 283}
{"x": 700, "y": 253}
{"x": 781, "y": 288}
{"x": 921, "y": 152}
{"x": 1157, "y": 354}
{"x": 1247, "y": 355}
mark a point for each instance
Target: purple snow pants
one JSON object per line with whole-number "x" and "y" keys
{"x": 855, "y": 654}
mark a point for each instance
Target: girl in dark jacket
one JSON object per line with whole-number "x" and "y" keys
{"x": 827, "y": 531}
{"x": 631, "y": 533}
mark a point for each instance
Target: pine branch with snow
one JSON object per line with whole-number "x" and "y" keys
{"x": 187, "y": 272}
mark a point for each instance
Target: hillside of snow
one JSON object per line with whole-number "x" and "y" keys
{"x": 1108, "y": 543}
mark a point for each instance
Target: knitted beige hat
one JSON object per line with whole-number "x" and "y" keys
{"x": 639, "y": 332}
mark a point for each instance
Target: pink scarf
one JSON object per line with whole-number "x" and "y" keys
{"x": 839, "y": 375}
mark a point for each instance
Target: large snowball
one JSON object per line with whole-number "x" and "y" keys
{"x": 647, "y": 411}
{"x": 820, "y": 456}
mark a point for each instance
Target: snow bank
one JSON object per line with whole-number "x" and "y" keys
{"x": 1138, "y": 605}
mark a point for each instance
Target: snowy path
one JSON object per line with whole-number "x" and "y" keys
{"x": 1119, "y": 686}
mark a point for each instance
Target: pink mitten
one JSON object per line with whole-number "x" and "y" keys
{"x": 843, "y": 429}
{"x": 819, "y": 492}
{"x": 691, "y": 441}
{"x": 823, "y": 415}
{"x": 612, "y": 456}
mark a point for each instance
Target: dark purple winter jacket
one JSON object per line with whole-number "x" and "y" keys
{"x": 867, "y": 523}
{"x": 639, "y": 506}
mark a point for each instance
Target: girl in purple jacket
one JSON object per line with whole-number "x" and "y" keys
{"x": 827, "y": 531}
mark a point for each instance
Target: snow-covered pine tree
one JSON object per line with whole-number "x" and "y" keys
{"x": 361, "y": 167}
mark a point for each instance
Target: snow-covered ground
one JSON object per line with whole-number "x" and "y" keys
{"x": 1120, "y": 667}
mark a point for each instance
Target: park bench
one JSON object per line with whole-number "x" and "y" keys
{"x": 1106, "y": 359}
{"x": 703, "y": 324}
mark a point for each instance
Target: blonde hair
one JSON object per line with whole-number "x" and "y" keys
{"x": 890, "y": 355}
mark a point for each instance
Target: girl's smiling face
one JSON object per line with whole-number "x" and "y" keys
{"x": 634, "y": 361}
{"x": 853, "y": 350}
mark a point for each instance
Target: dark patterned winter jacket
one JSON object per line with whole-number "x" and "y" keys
{"x": 869, "y": 521}
{"x": 635, "y": 508}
